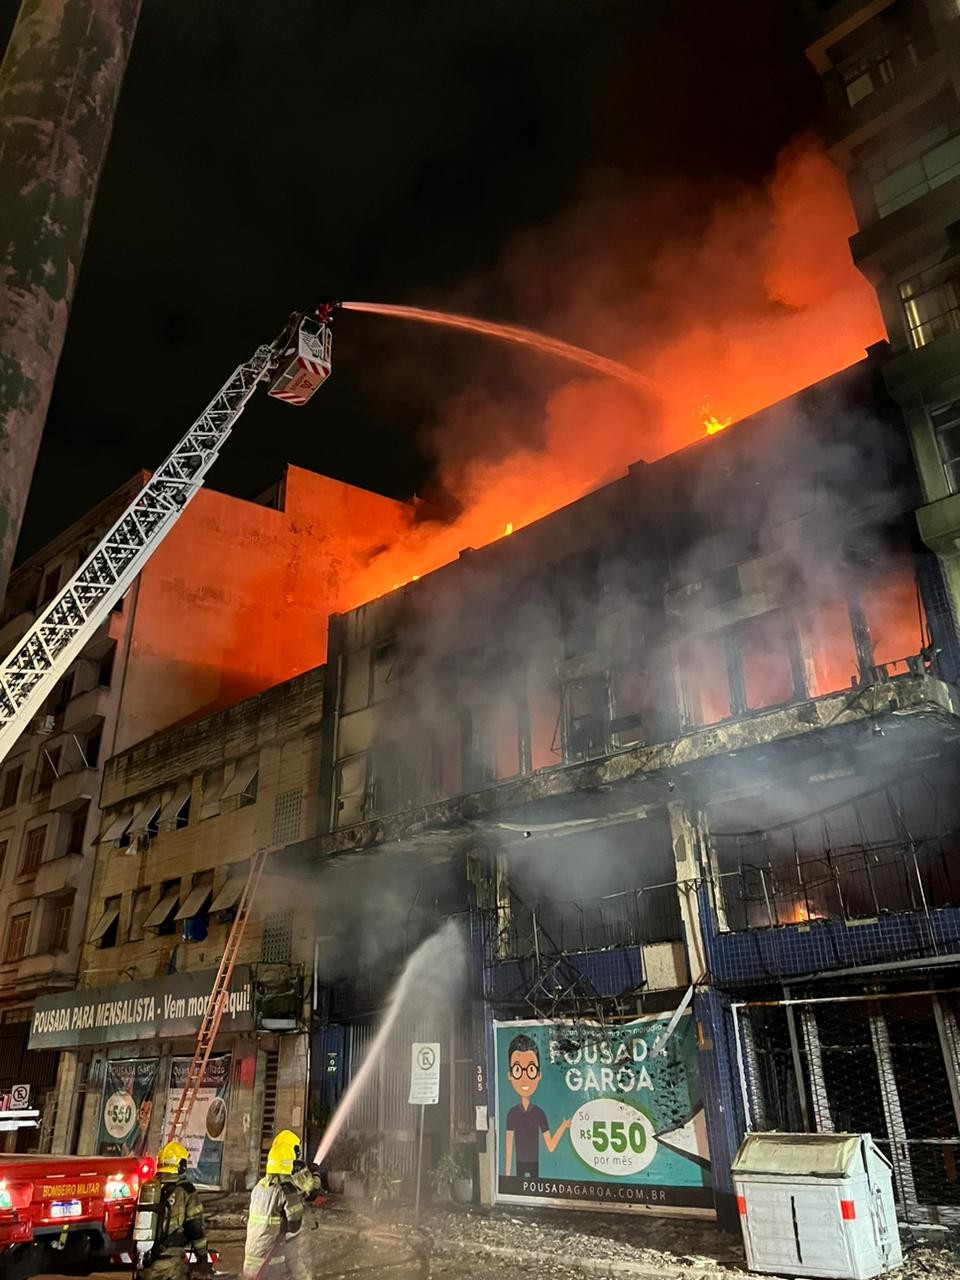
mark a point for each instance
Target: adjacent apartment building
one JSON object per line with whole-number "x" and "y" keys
{"x": 234, "y": 601}
{"x": 891, "y": 78}
{"x": 183, "y": 816}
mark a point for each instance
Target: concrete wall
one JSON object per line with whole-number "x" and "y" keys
{"x": 237, "y": 597}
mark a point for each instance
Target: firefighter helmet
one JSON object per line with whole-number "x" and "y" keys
{"x": 287, "y": 1138}
{"x": 280, "y": 1159}
{"x": 173, "y": 1158}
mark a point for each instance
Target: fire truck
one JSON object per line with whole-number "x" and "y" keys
{"x": 67, "y": 1213}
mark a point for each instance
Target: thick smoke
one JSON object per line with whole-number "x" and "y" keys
{"x": 728, "y": 305}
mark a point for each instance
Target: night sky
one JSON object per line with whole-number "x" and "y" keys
{"x": 389, "y": 150}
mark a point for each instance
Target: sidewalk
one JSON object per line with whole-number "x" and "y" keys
{"x": 528, "y": 1245}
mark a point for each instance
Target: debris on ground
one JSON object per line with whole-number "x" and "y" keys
{"x": 349, "y": 1239}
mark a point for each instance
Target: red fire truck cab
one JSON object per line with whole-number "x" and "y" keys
{"x": 60, "y": 1213}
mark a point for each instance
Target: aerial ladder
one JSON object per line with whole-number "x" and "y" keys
{"x": 294, "y": 365}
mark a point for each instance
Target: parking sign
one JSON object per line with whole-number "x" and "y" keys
{"x": 425, "y": 1075}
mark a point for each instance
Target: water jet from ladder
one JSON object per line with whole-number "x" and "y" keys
{"x": 521, "y": 337}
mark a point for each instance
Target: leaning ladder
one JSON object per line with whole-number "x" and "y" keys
{"x": 214, "y": 1010}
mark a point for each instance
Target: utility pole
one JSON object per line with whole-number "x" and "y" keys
{"x": 59, "y": 83}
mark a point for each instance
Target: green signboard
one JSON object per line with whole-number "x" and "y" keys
{"x": 603, "y": 1117}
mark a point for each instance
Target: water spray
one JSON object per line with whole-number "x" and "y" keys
{"x": 440, "y": 959}
{"x": 553, "y": 347}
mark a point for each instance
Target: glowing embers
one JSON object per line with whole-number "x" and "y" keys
{"x": 713, "y": 425}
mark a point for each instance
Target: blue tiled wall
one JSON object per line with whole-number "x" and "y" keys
{"x": 721, "y": 1095}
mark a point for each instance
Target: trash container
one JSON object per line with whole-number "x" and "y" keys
{"x": 816, "y": 1204}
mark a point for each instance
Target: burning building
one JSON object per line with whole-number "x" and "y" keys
{"x": 683, "y": 747}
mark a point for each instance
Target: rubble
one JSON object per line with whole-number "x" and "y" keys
{"x": 515, "y": 1245}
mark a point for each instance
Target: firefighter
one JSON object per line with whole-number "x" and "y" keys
{"x": 274, "y": 1221}
{"x": 306, "y": 1176}
{"x": 169, "y": 1219}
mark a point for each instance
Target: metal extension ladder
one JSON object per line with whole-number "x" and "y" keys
{"x": 214, "y": 1010}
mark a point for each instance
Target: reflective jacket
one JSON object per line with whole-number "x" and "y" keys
{"x": 276, "y": 1214}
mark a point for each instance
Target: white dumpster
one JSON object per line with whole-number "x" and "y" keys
{"x": 816, "y": 1204}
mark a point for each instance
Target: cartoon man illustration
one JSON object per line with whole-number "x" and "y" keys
{"x": 525, "y": 1123}
{"x": 139, "y": 1144}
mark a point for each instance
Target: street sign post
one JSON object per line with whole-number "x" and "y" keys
{"x": 424, "y": 1092}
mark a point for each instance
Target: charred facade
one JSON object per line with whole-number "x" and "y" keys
{"x": 696, "y": 731}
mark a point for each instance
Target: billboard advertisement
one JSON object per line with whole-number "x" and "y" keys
{"x": 207, "y": 1126}
{"x": 601, "y": 1117}
{"x": 126, "y": 1108}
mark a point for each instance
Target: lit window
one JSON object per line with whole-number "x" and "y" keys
{"x": 830, "y": 651}
{"x": 504, "y": 739}
{"x": 911, "y": 171}
{"x": 706, "y": 683}
{"x": 869, "y": 72}
{"x": 766, "y": 644}
{"x": 931, "y": 308}
{"x": 894, "y": 616}
{"x": 946, "y": 423}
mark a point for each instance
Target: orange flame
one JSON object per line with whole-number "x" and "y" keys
{"x": 788, "y": 309}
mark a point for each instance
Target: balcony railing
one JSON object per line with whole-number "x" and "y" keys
{"x": 853, "y": 883}
{"x": 635, "y": 917}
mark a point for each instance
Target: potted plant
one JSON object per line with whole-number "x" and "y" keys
{"x": 340, "y": 1161}
{"x": 383, "y": 1183}
{"x": 444, "y": 1175}
{"x": 463, "y": 1182}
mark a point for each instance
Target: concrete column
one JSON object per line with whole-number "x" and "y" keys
{"x": 893, "y": 1114}
{"x": 949, "y": 1034}
{"x": 751, "y": 1070}
{"x": 688, "y": 834}
{"x": 59, "y": 84}
{"x": 822, "y": 1119}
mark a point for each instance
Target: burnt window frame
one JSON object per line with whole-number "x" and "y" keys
{"x": 600, "y": 679}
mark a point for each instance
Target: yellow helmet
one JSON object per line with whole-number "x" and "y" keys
{"x": 280, "y": 1159}
{"x": 171, "y": 1157}
{"x": 287, "y": 1138}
